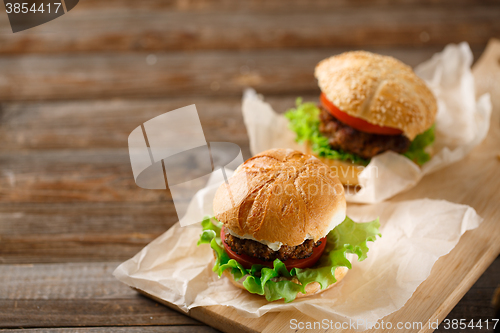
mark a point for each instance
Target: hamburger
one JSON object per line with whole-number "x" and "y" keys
{"x": 369, "y": 104}
{"x": 280, "y": 228}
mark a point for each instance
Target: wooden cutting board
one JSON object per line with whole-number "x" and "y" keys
{"x": 474, "y": 181}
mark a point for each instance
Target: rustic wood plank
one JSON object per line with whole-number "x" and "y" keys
{"x": 51, "y": 211}
{"x": 100, "y": 124}
{"x": 75, "y": 295}
{"x": 269, "y": 5}
{"x": 130, "y": 29}
{"x": 70, "y": 281}
{"x": 54, "y": 291}
{"x": 146, "y": 329}
{"x": 473, "y": 181}
{"x": 108, "y": 123}
{"x": 54, "y": 176}
{"x": 174, "y": 74}
{"x": 76, "y": 232}
{"x": 28, "y": 218}
{"x": 229, "y": 321}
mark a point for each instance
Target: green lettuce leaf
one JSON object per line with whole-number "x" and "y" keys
{"x": 304, "y": 121}
{"x": 275, "y": 283}
{"x": 416, "y": 152}
{"x": 210, "y": 230}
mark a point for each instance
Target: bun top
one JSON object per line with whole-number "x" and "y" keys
{"x": 379, "y": 89}
{"x": 281, "y": 195}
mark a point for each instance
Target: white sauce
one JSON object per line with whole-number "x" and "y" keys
{"x": 273, "y": 246}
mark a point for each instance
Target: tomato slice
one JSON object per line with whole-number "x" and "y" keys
{"x": 357, "y": 123}
{"x": 247, "y": 261}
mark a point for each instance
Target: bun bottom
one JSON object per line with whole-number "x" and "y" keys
{"x": 346, "y": 171}
{"x": 311, "y": 289}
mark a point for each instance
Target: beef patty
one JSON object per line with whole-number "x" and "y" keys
{"x": 263, "y": 252}
{"x": 366, "y": 145}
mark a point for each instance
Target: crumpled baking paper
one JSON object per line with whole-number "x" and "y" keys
{"x": 462, "y": 123}
{"x": 414, "y": 235}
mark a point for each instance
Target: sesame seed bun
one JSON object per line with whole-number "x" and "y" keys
{"x": 281, "y": 195}
{"x": 379, "y": 89}
{"x": 312, "y": 288}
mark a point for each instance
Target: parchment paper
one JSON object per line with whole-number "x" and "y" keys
{"x": 415, "y": 234}
{"x": 461, "y": 124}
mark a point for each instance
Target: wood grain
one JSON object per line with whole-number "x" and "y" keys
{"x": 76, "y": 232}
{"x": 58, "y": 295}
{"x": 140, "y": 329}
{"x": 52, "y": 295}
{"x": 269, "y": 5}
{"x": 476, "y": 304}
{"x": 82, "y": 312}
{"x": 89, "y": 29}
{"x": 100, "y": 124}
{"x": 80, "y": 202}
{"x": 56, "y": 176}
{"x": 214, "y": 73}
{"x": 79, "y": 281}
{"x": 103, "y": 124}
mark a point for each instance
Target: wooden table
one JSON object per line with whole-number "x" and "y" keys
{"x": 73, "y": 89}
